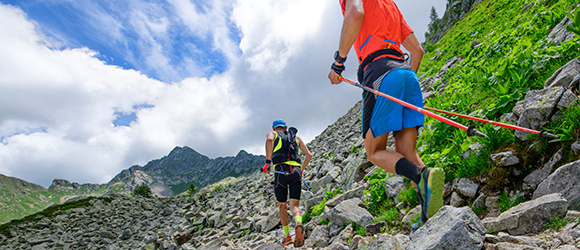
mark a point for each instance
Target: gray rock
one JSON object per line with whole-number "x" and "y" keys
{"x": 505, "y": 159}
{"x": 518, "y": 110}
{"x": 568, "y": 100}
{"x": 375, "y": 228}
{"x": 354, "y": 170}
{"x": 383, "y": 242}
{"x": 480, "y": 201}
{"x": 575, "y": 147}
{"x": 538, "y": 106}
{"x": 394, "y": 185}
{"x": 450, "y": 228}
{"x": 537, "y": 176}
{"x": 315, "y": 241}
{"x": 509, "y": 118}
{"x": 467, "y": 187}
{"x": 349, "y": 211}
{"x": 410, "y": 215}
{"x": 456, "y": 200}
{"x": 313, "y": 201}
{"x": 520, "y": 240}
{"x": 565, "y": 180}
{"x": 321, "y": 231}
{"x": 355, "y": 193}
{"x": 560, "y": 34}
{"x": 563, "y": 76}
{"x": 530, "y": 216}
{"x": 271, "y": 221}
{"x": 125, "y": 235}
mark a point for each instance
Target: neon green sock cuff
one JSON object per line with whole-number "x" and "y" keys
{"x": 286, "y": 230}
{"x": 298, "y": 219}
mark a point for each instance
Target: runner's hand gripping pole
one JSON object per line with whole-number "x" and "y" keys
{"x": 471, "y": 131}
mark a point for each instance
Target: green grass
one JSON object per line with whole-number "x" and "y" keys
{"x": 557, "y": 223}
{"x": 50, "y": 212}
{"x": 513, "y": 58}
{"x": 360, "y": 230}
{"x": 505, "y": 202}
{"x": 409, "y": 196}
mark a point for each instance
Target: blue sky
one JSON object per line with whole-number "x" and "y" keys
{"x": 89, "y": 88}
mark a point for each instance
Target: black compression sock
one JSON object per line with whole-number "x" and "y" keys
{"x": 408, "y": 169}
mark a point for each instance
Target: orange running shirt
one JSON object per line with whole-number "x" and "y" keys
{"x": 383, "y": 27}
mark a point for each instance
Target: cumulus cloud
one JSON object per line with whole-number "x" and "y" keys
{"x": 58, "y": 107}
{"x": 237, "y": 66}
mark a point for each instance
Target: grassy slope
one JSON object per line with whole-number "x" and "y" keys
{"x": 20, "y": 198}
{"x": 513, "y": 58}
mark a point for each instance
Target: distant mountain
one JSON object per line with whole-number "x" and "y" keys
{"x": 172, "y": 174}
{"x": 168, "y": 176}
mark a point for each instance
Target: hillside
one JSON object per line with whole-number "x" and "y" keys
{"x": 506, "y": 60}
{"x": 168, "y": 176}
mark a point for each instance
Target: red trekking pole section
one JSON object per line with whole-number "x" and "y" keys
{"x": 471, "y": 131}
{"x": 541, "y": 133}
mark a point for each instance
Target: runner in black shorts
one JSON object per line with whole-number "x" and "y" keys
{"x": 282, "y": 150}
{"x": 290, "y": 182}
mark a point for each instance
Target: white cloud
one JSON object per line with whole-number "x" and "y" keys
{"x": 57, "y": 106}
{"x": 72, "y": 97}
{"x": 274, "y": 30}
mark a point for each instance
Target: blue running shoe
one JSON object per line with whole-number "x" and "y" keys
{"x": 430, "y": 192}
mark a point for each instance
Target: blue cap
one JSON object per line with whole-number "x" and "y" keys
{"x": 278, "y": 123}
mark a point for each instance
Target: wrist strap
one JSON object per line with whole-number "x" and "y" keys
{"x": 268, "y": 161}
{"x": 337, "y": 69}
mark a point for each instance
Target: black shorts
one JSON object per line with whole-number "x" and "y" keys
{"x": 289, "y": 182}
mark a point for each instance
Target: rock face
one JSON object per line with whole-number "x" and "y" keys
{"x": 450, "y": 228}
{"x": 564, "y": 181}
{"x": 529, "y": 217}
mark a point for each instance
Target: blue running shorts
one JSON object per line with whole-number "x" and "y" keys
{"x": 382, "y": 115}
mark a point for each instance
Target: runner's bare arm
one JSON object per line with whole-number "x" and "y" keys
{"x": 269, "y": 145}
{"x": 306, "y": 152}
{"x": 413, "y": 45}
{"x": 353, "y": 17}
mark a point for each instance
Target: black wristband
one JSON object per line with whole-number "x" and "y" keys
{"x": 268, "y": 161}
{"x": 338, "y": 58}
{"x": 338, "y": 69}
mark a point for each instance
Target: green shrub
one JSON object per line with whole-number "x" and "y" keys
{"x": 318, "y": 208}
{"x": 376, "y": 189}
{"x": 142, "y": 190}
{"x": 192, "y": 189}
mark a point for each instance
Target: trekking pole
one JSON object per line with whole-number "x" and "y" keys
{"x": 471, "y": 131}
{"x": 541, "y": 133}
{"x": 284, "y": 173}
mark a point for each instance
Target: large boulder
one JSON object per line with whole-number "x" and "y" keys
{"x": 450, "y": 228}
{"x": 529, "y": 217}
{"x": 565, "y": 180}
{"x": 349, "y": 211}
{"x": 539, "y": 106}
